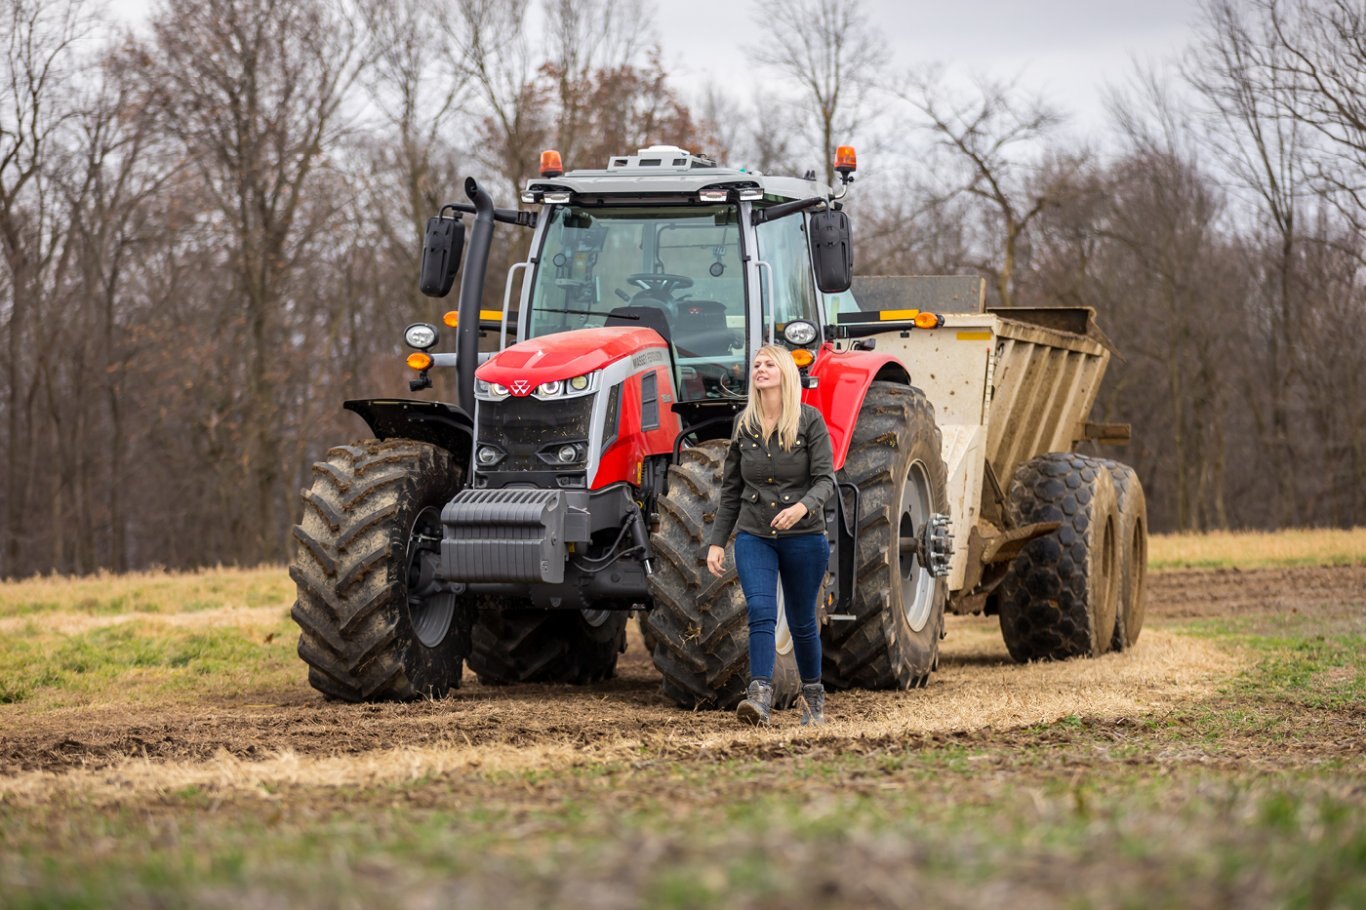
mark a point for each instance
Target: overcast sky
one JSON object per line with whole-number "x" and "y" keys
{"x": 1068, "y": 49}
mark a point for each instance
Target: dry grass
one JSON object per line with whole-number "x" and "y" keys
{"x": 147, "y": 592}
{"x": 1258, "y": 549}
{"x": 979, "y": 689}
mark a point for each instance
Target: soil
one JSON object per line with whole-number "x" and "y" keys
{"x": 978, "y": 695}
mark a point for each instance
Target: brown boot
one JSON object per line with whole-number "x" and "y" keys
{"x": 813, "y": 701}
{"x": 757, "y": 708}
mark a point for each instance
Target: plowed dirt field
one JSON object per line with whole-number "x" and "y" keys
{"x": 291, "y": 735}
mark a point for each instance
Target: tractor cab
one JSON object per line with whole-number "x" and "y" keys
{"x": 717, "y": 261}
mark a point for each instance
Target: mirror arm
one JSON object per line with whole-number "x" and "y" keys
{"x": 783, "y": 209}
{"x": 502, "y": 216}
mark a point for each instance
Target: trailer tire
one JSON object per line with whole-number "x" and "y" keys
{"x": 375, "y": 624}
{"x": 1060, "y": 595}
{"x": 700, "y": 624}
{"x": 523, "y": 645}
{"x": 1133, "y": 553}
{"x": 895, "y": 458}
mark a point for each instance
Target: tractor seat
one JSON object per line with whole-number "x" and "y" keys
{"x": 647, "y": 317}
{"x": 701, "y": 329}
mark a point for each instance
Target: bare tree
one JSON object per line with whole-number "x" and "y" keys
{"x": 39, "y": 41}
{"x": 1323, "y": 54}
{"x": 1239, "y": 72}
{"x": 995, "y": 135}
{"x": 252, "y": 92}
{"x": 833, "y": 53}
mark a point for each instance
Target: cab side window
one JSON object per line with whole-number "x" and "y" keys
{"x": 783, "y": 245}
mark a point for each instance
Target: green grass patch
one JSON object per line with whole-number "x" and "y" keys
{"x": 147, "y": 592}
{"x": 136, "y": 660}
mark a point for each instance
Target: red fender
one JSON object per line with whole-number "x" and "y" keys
{"x": 844, "y": 377}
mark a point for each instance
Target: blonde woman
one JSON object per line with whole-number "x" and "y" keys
{"x": 778, "y": 474}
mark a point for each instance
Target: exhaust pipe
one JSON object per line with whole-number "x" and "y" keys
{"x": 472, "y": 293}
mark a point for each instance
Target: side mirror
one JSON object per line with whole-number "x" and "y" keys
{"x": 441, "y": 249}
{"x": 832, "y": 251}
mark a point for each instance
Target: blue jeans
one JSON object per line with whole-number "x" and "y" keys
{"x": 801, "y": 563}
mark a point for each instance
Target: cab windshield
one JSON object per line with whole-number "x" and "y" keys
{"x": 675, "y": 269}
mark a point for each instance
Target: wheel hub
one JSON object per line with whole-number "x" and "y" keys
{"x": 431, "y": 601}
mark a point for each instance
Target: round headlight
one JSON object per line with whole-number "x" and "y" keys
{"x": 567, "y": 454}
{"x": 578, "y": 383}
{"x": 551, "y": 388}
{"x": 488, "y": 455}
{"x": 800, "y": 332}
{"x": 420, "y": 335}
{"x": 500, "y": 390}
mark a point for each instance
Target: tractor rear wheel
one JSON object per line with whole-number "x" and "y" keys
{"x": 533, "y": 645}
{"x": 699, "y": 624}
{"x": 1133, "y": 553}
{"x": 375, "y": 621}
{"x": 895, "y": 459}
{"x": 1059, "y": 597}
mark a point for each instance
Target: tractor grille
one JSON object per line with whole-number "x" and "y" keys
{"x": 521, "y": 427}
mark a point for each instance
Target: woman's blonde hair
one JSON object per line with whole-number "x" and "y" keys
{"x": 789, "y": 393}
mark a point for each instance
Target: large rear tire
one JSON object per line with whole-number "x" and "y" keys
{"x": 375, "y": 622}
{"x": 1059, "y": 597}
{"x": 699, "y": 624}
{"x": 1133, "y": 553}
{"x": 895, "y": 459}
{"x": 532, "y": 645}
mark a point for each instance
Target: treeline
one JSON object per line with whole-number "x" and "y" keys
{"x": 210, "y": 229}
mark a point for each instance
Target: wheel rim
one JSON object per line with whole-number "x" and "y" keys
{"x": 431, "y": 607}
{"x": 595, "y": 618}
{"x": 782, "y": 635}
{"x": 917, "y": 584}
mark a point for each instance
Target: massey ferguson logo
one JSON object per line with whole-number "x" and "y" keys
{"x": 520, "y": 387}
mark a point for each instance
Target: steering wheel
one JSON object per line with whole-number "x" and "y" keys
{"x": 659, "y": 284}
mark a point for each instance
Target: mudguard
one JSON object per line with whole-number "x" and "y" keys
{"x": 844, "y": 377}
{"x": 440, "y": 424}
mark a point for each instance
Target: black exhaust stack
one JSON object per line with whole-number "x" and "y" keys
{"x": 472, "y": 293}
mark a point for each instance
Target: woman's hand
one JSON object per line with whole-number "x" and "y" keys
{"x": 716, "y": 560}
{"x": 788, "y": 517}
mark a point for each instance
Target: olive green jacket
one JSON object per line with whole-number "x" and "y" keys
{"x": 760, "y": 480}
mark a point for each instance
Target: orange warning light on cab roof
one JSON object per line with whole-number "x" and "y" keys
{"x": 551, "y": 165}
{"x": 846, "y": 159}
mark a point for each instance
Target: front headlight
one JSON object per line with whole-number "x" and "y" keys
{"x": 420, "y": 335}
{"x": 800, "y": 332}
{"x": 550, "y": 389}
{"x": 578, "y": 383}
{"x": 499, "y": 391}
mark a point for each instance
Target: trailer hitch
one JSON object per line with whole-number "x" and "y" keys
{"x": 932, "y": 547}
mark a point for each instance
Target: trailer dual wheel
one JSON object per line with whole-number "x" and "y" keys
{"x": 699, "y": 624}
{"x": 532, "y": 645}
{"x": 1060, "y": 596}
{"x": 375, "y": 622}
{"x": 1133, "y": 553}
{"x": 898, "y": 607}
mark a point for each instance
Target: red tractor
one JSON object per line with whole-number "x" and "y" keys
{"x": 576, "y": 479}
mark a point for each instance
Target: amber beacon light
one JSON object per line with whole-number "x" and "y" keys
{"x": 419, "y": 361}
{"x": 846, "y": 160}
{"x": 551, "y": 165}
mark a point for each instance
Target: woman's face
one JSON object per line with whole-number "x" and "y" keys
{"x": 764, "y": 372}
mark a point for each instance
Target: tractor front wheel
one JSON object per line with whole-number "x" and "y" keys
{"x": 700, "y": 624}
{"x": 376, "y": 623}
{"x": 561, "y": 646}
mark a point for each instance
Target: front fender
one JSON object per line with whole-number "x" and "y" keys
{"x": 844, "y": 378}
{"x": 440, "y": 424}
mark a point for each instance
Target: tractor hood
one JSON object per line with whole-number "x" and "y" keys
{"x": 524, "y": 366}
